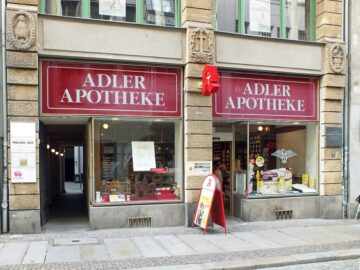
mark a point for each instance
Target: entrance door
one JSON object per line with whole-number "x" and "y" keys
{"x": 62, "y": 178}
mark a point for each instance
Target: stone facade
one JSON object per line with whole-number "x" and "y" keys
{"x": 23, "y": 105}
{"x": 199, "y": 49}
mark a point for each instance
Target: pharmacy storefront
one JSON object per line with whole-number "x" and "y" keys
{"x": 132, "y": 137}
{"x": 266, "y": 134}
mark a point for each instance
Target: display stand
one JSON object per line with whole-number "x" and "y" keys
{"x": 210, "y": 201}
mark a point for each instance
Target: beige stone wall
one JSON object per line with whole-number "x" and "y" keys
{"x": 196, "y": 17}
{"x": 332, "y": 83}
{"x": 22, "y": 92}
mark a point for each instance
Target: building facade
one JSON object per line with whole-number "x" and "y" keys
{"x": 122, "y": 80}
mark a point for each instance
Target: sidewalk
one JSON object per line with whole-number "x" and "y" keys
{"x": 246, "y": 246}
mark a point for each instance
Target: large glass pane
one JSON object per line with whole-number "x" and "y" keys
{"x": 282, "y": 159}
{"x": 297, "y": 23}
{"x": 262, "y": 17}
{"x": 63, "y": 7}
{"x": 159, "y": 12}
{"x": 226, "y": 15}
{"x": 137, "y": 161}
{"x": 114, "y": 10}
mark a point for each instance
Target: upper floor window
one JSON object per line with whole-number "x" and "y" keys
{"x": 158, "y": 12}
{"x": 288, "y": 19}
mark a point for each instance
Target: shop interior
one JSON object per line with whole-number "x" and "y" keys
{"x": 63, "y": 174}
{"x": 265, "y": 159}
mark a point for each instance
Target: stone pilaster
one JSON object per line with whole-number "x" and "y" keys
{"x": 23, "y": 105}
{"x": 332, "y": 83}
{"x": 196, "y": 17}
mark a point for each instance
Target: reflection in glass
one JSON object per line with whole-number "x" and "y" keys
{"x": 160, "y": 12}
{"x": 116, "y": 161}
{"x": 113, "y": 11}
{"x": 70, "y": 8}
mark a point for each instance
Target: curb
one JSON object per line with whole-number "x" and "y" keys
{"x": 306, "y": 258}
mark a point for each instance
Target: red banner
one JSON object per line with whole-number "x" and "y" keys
{"x": 107, "y": 89}
{"x": 245, "y": 96}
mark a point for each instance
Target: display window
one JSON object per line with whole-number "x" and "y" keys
{"x": 137, "y": 161}
{"x": 259, "y": 159}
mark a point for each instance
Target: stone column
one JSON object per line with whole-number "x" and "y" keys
{"x": 196, "y": 17}
{"x": 23, "y": 105}
{"x": 332, "y": 83}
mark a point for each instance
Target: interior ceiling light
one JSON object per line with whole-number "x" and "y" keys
{"x": 56, "y": 153}
{"x": 61, "y": 154}
{"x": 260, "y": 128}
{"x": 53, "y": 150}
{"x": 48, "y": 146}
{"x": 105, "y": 126}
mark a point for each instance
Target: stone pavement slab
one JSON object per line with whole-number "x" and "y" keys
{"x": 93, "y": 253}
{"x": 36, "y": 252}
{"x": 316, "y": 235}
{"x": 229, "y": 242}
{"x": 121, "y": 248}
{"x": 199, "y": 243}
{"x": 284, "y": 240}
{"x": 174, "y": 246}
{"x": 149, "y": 247}
{"x": 353, "y": 229}
{"x": 63, "y": 254}
{"x": 13, "y": 253}
{"x": 256, "y": 240}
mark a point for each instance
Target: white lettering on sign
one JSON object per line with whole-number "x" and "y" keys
{"x": 260, "y": 96}
{"x": 120, "y": 93}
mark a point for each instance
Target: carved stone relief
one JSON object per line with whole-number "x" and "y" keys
{"x": 337, "y": 57}
{"x": 21, "y": 30}
{"x": 201, "y": 46}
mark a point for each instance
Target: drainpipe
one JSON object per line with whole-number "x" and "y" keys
{"x": 4, "y": 204}
{"x": 345, "y": 157}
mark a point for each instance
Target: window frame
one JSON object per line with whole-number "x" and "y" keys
{"x": 85, "y": 10}
{"x": 241, "y": 19}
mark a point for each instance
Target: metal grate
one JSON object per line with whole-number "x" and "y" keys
{"x": 283, "y": 214}
{"x": 139, "y": 222}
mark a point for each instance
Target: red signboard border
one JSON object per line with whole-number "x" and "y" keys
{"x": 314, "y": 82}
{"x": 51, "y": 63}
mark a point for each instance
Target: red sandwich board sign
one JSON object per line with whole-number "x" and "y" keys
{"x": 210, "y": 202}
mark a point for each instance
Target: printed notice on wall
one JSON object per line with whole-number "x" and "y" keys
{"x": 112, "y": 8}
{"x": 23, "y": 152}
{"x": 198, "y": 168}
{"x": 143, "y": 154}
{"x": 260, "y": 16}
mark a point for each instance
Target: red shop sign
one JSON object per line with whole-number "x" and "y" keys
{"x": 245, "y": 96}
{"x": 106, "y": 89}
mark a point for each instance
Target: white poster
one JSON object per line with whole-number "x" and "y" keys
{"x": 198, "y": 168}
{"x": 260, "y": 16}
{"x": 23, "y": 152}
{"x": 143, "y": 154}
{"x": 112, "y": 8}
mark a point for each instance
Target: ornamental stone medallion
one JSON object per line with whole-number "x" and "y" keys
{"x": 201, "y": 46}
{"x": 337, "y": 58}
{"x": 21, "y": 30}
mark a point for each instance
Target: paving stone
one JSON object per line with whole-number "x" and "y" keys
{"x": 284, "y": 240}
{"x": 256, "y": 240}
{"x": 93, "y": 253}
{"x": 13, "y": 253}
{"x": 199, "y": 243}
{"x": 316, "y": 235}
{"x": 229, "y": 242}
{"x": 75, "y": 241}
{"x": 353, "y": 229}
{"x": 149, "y": 247}
{"x": 63, "y": 254}
{"x": 36, "y": 252}
{"x": 173, "y": 245}
{"x": 121, "y": 248}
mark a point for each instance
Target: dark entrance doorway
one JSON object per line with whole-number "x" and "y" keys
{"x": 62, "y": 177}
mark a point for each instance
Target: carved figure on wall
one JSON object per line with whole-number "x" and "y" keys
{"x": 337, "y": 58}
{"x": 21, "y": 30}
{"x": 201, "y": 46}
